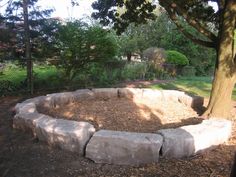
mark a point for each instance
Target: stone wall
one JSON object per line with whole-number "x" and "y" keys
{"x": 115, "y": 147}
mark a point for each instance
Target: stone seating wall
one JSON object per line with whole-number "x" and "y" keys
{"x": 116, "y": 147}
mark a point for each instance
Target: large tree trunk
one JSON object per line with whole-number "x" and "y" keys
{"x": 225, "y": 72}
{"x": 28, "y": 48}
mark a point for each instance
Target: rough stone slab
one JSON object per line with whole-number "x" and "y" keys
{"x": 24, "y": 108}
{"x": 130, "y": 92}
{"x": 83, "y": 94}
{"x": 59, "y": 99}
{"x": 172, "y": 95}
{"x": 66, "y": 134}
{"x": 124, "y": 148}
{"x": 36, "y": 100}
{"x": 105, "y": 93}
{"x": 152, "y": 94}
{"x": 192, "y": 101}
{"x": 189, "y": 140}
{"x": 27, "y": 122}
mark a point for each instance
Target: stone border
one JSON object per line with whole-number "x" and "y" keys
{"x": 115, "y": 147}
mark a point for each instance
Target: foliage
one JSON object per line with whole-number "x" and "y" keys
{"x": 133, "y": 40}
{"x": 162, "y": 33}
{"x": 14, "y": 23}
{"x": 80, "y": 44}
{"x": 143, "y": 70}
{"x": 177, "y": 58}
{"x": 155, "y": 55}
{"x": 6, "y": 87}
{"x": 135, "y": 70}
{"x": 188, "y": 71}
{"x": 132, "y": 12}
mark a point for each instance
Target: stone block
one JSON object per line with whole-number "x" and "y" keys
{"x": 151, "y": 94}
{"x": 59, "y": 99}
{"x": 192, "y": 101}
{"x": 172, "y": 95}
{"x": 83, "y": 94}
{"x": 27, "y": 122}
{"x": 24, "y": 108}
{"x": 130, "y": 93}
{"x": 188, "y": 140}
{"x": 124, "y": 148}
{"x": 69, "y": 135}
{"x": 36, "y": 100}
{"x": 105, "y": 93}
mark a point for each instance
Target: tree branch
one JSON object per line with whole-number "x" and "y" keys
{"x": 173, "y": 17}
{"x": 195, "y": 24}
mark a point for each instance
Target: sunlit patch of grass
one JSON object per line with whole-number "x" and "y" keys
{"x": 200, "y": 86}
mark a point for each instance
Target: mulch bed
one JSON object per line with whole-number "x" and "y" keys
{"x": 23, "y": 156}
{"x": 124, "y": 114}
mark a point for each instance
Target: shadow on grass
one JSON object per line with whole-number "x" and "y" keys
{"x": 190, "y": 87}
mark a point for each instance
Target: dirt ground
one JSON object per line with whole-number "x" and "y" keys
{"x": 23, "y": 156}
{"x": 123, "y": 114}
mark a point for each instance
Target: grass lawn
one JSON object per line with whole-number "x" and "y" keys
{"x": 193, "y": 85}
{"x": 17, "y": 75}
{"x": 44, "y": 78}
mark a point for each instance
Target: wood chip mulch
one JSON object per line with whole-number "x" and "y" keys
{"x": 124, "y": 114}
{"x": 23, "y": 156}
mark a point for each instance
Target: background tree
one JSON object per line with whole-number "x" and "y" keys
{"x": 80, "y": 45}
{"x": 163, "y": 33}
{"x": 215, "y": 29}
{"x": 24, "y": 20}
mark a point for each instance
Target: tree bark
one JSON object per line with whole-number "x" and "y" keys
{"x": 225, "y": 72}
{"x": 28, "y": 48}
{"x": 129, "y": 55}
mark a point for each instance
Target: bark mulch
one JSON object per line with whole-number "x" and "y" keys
{"x": 23, "y": 156}
{"x": 124, "y": 114}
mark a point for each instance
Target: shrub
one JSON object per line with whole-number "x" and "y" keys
{"x": 155, "y": 55}
{"x": 80, "y": 45}
{"x": 134, "y": 70}
{"x": 2, "y": 67}
{"x": 188, "y": 71}
{"x": 156, "y": 73}
{"x": 177, "y": 58}
{"x": 143, "y": 70}
{"x": 210, "y": 71}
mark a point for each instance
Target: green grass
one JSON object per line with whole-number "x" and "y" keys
{"x": 47, "y": 77}
{"x": 200, "y": 86}
{"x": 18, "y": 75}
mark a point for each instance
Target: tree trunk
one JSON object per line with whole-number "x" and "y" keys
{"x": 27, "y": 47}
{"x": 129, "y": 55}
{"x": 225, "y": 72}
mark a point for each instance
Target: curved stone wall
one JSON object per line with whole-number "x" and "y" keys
{"x": 116, "y": 147}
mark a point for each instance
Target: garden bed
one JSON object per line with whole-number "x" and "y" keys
{"x": 123, "y": 114}
{"x": 124, "y": 126}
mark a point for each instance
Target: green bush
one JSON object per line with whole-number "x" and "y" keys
{"x": 80, "y": 45}
{"x": 188, "y": 71}
{"x": 210, "y": 71}
{"x": 143, "y": 70}
{"x": 177, "y": 58}
{"x": 133, "y": 71}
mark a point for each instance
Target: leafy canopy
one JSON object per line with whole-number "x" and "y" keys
{"x": 197, "y": 13}
{"x": 177, "y": 58}
{"x": 80, "y": 44}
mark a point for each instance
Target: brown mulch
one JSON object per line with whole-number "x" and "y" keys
{"x": 23, "y": 156}
{"x": 124, "y": 114}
